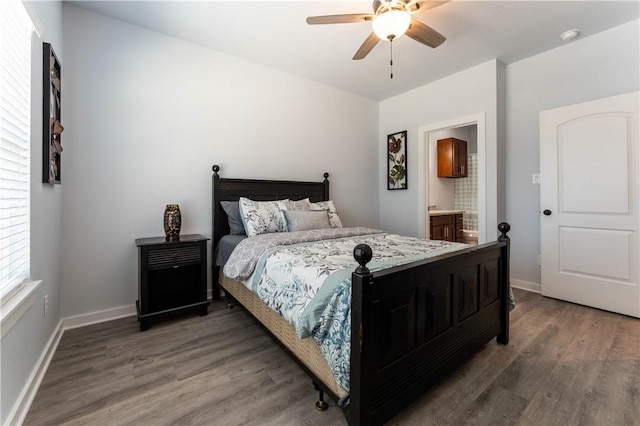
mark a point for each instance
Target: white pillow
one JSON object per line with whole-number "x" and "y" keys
{"x": 334, "y": 219}
{"x": 305, "y": 220}
{"x": 262, "y": 217}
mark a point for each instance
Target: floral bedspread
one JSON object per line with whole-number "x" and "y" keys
{"x": 243, "y": 259}
{"x": 309, "y": 283}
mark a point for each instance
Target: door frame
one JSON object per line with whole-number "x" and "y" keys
{"x": 485, "y": 215}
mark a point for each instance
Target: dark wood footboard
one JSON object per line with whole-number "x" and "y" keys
{"x": 413, "y": 324}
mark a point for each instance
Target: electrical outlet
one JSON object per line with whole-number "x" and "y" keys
{"x": 46, "y": 304}
{"x": 539, "y": 260}
{"x": 535, "y": 179}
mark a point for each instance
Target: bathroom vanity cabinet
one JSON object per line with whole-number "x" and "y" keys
{"x": 447, "y": 227}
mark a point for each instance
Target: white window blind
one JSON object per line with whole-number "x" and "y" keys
{"x": 15, "y": 123}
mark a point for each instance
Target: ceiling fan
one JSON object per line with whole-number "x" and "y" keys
{"x": 390, "y": 20}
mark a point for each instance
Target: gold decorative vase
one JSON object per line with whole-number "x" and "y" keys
{"x": 172, "y": 222}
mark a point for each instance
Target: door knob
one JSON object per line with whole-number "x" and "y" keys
{"x": 547, "y": 212}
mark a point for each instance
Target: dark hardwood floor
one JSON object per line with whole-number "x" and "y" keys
{"x": 565, "y": 365}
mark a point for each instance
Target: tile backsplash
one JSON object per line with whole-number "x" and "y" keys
{"x": 465, "y": 194}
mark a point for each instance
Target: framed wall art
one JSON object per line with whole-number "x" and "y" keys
{"x": 51, "y": 116}
{"x": 397, "y": 160}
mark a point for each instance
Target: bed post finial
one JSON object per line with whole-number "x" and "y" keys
{"x": 215, "y": 169}
{"x": 325, "y": 196}
{"x": 507, "y": 295}
{"x": 362, "y": 253}
{"x": 503, "y": 227}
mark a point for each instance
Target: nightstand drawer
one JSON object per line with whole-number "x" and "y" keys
{"x": 173, "y": 256}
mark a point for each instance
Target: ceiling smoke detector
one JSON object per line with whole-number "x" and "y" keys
{"x": 570, "y": 34}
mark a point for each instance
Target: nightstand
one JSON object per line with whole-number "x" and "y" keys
{"x": 172, "y": 277}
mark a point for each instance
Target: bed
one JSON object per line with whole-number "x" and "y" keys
{"x": 410, "y": 324}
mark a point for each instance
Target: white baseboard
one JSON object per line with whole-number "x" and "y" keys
{"x": 99, "y": 316}
{"x": 102, "y": 316}
{"x": 22, "y": 405}
{"x": 526, "y": 285}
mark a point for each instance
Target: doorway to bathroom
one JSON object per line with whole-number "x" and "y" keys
{"x": 438, "y": 194}
{"x": 453, "y": 190}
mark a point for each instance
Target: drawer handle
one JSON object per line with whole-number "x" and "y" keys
{"x": 175, "y": 266}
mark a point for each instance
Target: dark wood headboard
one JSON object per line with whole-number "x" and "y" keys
{"x": 260, "y": 190}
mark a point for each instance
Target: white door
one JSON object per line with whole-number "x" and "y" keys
{"x": 589, "y": 201}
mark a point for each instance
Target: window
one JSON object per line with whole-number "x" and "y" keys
{"x": 15, "y": 131}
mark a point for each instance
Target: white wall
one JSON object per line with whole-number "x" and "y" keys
{"x": 602, "y": 65}
{"x": 463, "y": 94}
{"x": 148, "y": 115}
{"x": 24, "y": 343}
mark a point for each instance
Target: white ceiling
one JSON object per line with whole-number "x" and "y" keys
{"x": 274, "y": 33}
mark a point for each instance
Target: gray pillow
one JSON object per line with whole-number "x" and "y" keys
{"x": 298, "y": 205}
{"x": 305, "y": 220}
{"x": 232, "y": 209}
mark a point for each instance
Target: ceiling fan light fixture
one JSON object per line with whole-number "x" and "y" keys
{"x": 392, "y": 24}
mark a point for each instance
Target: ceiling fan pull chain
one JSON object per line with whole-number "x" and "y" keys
{"x": 391, "y": 57}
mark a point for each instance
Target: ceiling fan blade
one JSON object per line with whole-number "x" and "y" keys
{"x": 340, "y": 19}
{"x": 424, "y": 34}
{"x": 366, "y": 47}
